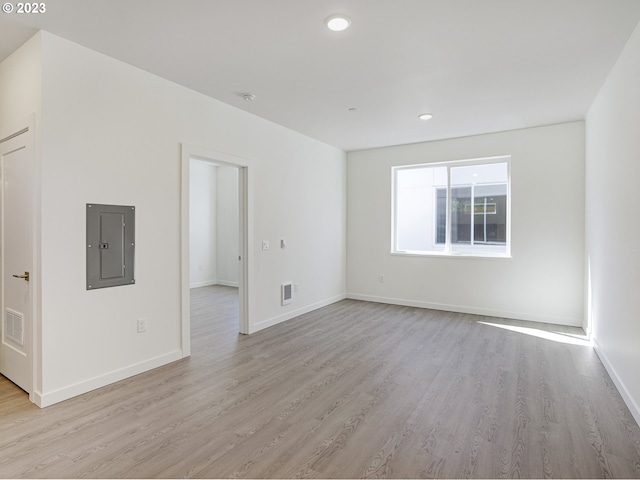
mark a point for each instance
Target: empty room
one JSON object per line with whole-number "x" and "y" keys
{"x": 319, "y": 239}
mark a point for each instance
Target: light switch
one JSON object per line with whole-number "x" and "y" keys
{"x": 265, "y": 245}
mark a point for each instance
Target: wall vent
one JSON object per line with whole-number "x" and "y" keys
{"x": 287, "y": 293}
{"x": 14, "y": 326}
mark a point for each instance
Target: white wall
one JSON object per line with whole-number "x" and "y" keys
{"x": 612, "y": 228}
{"x": 20, "y": 83}
{"x": 202, "y": 224}
{"x": 544, "y": 279}
{"x": 112, "y": 134}
{"x": 227, "y": 226}
{"x": 213, "y": 224}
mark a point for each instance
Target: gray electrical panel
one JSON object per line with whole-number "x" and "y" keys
{"x": 110, "y": 245}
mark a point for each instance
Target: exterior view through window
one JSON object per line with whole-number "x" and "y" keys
{"x": 452, "y": 208}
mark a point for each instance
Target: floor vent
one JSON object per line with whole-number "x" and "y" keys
{"x": 287, "y": 294}
{"x": 14, "y": 326}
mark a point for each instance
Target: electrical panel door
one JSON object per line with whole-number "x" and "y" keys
{"x": 110, "y": 245}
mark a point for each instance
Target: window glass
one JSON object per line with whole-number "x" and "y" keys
{"x": 466, "y": 202}
{"x": 415, "y": 210}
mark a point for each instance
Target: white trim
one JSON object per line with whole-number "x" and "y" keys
{"x": 568, "y": 321}
{"x": 245, "y": 225}
{"x": 185, "y": 301}
{"x": 632, "y": 405}
{"x": 457, "y": 163}
{"x": 487, "y": 255}
{"x": 227, "y": 283}
{"x": 56, "y": 396}
{"x": 295, "y": 313}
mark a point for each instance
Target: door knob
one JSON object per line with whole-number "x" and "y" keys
{"x": 25, "y": 276}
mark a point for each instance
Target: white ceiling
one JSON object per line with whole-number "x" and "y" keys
{"x": 478, "y": 65}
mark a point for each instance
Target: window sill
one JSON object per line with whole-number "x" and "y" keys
{"x": 452, "y": 255}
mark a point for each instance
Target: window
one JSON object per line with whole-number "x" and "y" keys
{"x": 452, "y": 208}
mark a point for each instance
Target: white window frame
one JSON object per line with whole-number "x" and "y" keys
{"x": 448, "y": 252}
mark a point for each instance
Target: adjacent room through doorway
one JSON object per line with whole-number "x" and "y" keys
{"x": 214, "y": 242}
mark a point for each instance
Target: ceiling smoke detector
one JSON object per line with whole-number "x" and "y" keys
{"x": 248, "y": 97}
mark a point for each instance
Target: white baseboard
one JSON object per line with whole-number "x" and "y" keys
{"x": 632, "y": 405}
{"x": 207, "y": 283}
{"x": 573, "y": 322}
{"x": 65, "y": 393}
{"x": 294, "y": 313}
{"x": 204, "y": 283}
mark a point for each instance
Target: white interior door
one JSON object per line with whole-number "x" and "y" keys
{"x": 16, "y": 258}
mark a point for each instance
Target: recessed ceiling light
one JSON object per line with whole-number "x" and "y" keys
{"x": 337, "y": 22}
{"x": 425, "y": 116}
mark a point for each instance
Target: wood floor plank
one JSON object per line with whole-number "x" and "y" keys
{"x": 352, "y": 390}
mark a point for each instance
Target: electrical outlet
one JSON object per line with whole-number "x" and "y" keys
{"x": 142, "y": 325}
{"x": 381, "y": 278}
{"x": 295, "y": 288}
{"x": 265, "y": 244}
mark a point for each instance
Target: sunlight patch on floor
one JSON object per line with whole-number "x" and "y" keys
{"x": 569, "y": 338}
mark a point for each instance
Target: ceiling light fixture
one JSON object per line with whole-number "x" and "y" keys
{"x": 337, "y": 22}
{"x": 425, "y": 116}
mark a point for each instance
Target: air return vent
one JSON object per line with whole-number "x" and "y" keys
{"x": 287, "y": 293}
{"x": 14, "y": 326}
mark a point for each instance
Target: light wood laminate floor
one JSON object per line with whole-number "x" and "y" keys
{"x": 351, "y": 390}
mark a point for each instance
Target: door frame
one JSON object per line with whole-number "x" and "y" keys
{"x": 190, "y": 152}
{"x": 26, "y": 127}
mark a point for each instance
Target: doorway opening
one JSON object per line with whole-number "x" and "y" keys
{"x": 214, "y": 231}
